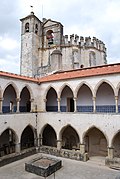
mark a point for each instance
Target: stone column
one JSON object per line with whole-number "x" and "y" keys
{"x": 32, "y": 107}
{"x": 75, "y": 104}
{"x": 18, "y": 104}
{"x": 1, "y": 104}
{"x": 45, "y": 101}
{"x": 40, "y": 140}
{"x": 58, "y": 100}
{"x": 94, "y": 104}
{"x": 17, "y": 148}
{"x": 116, "y": 103}
{"x": 110, "y": 152}
{"x": 82, "y": 148}
{"x": 59, "y": 144}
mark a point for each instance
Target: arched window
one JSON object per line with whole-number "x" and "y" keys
{"x": 36, "y": 28}
{"x": 50, "y": 37}
{"x": 92, "y": 59}
{"x": 27, "y": 27}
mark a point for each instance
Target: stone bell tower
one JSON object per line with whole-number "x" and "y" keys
{"x": 30, "y": 43}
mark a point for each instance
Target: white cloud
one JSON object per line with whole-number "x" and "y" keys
{"x": 8, "y": 43}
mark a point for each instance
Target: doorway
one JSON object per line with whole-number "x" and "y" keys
{"x": 70, "y": 105}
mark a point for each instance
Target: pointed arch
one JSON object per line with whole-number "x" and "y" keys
{"x": 67, "y": 99}
{"x": 96, "y": 141}
{"x": 1, "y": 92}
{"x": 10, "y": 95}
{"x": 44, "y": 126}
{"x": 80, "y": 85}
{"x": 70, "y": 137}
{"x": 105, "y": 97}
{"x": 100, "y": 83}
{"x": 117, "y": 89}
{"x": 29, "y": 89}
{"x": 51, "y": 100}
{"x": 16, "y": 135}
{"x": 49, "y": 136}
{"x": 25, "y": 100}
{"x": 8, "y": 139}
{"x": 14, "y": 86}
{"x": 118, "y": 95}
{"x": 47, "y": 89}
{"x": 27, "y": 137}
{"x": 84, "y": 97}
{"x": 115, "y": 143}
{"x": 62, "y": 87}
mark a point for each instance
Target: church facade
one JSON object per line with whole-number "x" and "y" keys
{"x": 66, "y": 101}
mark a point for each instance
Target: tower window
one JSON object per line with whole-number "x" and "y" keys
{"x": 92, "y": 59}
{"x": 27, "y": 27}
{"x": 50, "y": 37}
{"x": 36, "y": 28}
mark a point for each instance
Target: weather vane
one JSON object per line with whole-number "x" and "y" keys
{"x": 31, "y": 8}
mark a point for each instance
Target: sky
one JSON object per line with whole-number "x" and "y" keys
{"x": 92, "y": 18}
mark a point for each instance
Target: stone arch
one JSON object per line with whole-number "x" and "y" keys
{"x": 118, "y": 95}
{"x": 80, "y": 85}
{"x": 25, "y": 100}
{"x": 29, "y": 89}
{"x": 115, "y": 143}
{"x": 84, "y": 98}
{"x": 10, "y": 95}
{"x": 8, "y": 140}
{"x": 1, "y": 92}
{"x": 66, "y": 99}
{"x": 47, "y": 89}
{"x": 27, "y": 137}
{"x": 105, "y": 98}
{"x": 49, "y": 136}
{"x": 62, "y": 87}
{"x": 14, "y": 86}
{"x": 27, "y": 26}
{"x": 100, "y": 83}
{"x": 70, "y": 138}
{"x": 51, "y": 100}
{"x": 96, "y": 142}
{"x": 50, "y": 37}
{"x": 117, "y": 89}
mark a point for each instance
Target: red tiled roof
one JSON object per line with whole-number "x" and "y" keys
{"x": 85, "y": 72}
{"x": 79, "y": 73}
{"x": 12, "y": 75}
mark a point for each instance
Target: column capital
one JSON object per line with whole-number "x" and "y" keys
{"x": 58, "y": 99}
{"x": 116, "y": 97}
{"x": 94, "y": 98}
{"x": 75, "y": 98}
{"x": 59, "y": 140}
{"x": 1, "y": 99}
{"x": 18, "y": 99}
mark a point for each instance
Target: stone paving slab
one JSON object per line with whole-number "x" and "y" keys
{"x": 71, "y": 170}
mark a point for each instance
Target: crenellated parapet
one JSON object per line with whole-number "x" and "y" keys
{"x": 86, "y": 42}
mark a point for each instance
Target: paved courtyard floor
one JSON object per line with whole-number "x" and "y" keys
{"x": 71, "y": 170}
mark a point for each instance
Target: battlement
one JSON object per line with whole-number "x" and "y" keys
{"x": 85, "y": 42}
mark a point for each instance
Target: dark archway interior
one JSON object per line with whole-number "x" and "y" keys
{"x": 27, "y": 138}
{"x": 7, "y": 142}
{"x": 25, "y": 104}
{"x": 96, "y": 143}
{"x": 116, "y": 145}
{"x": 70, "y": 138}
{"x": 49, "y": 136}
